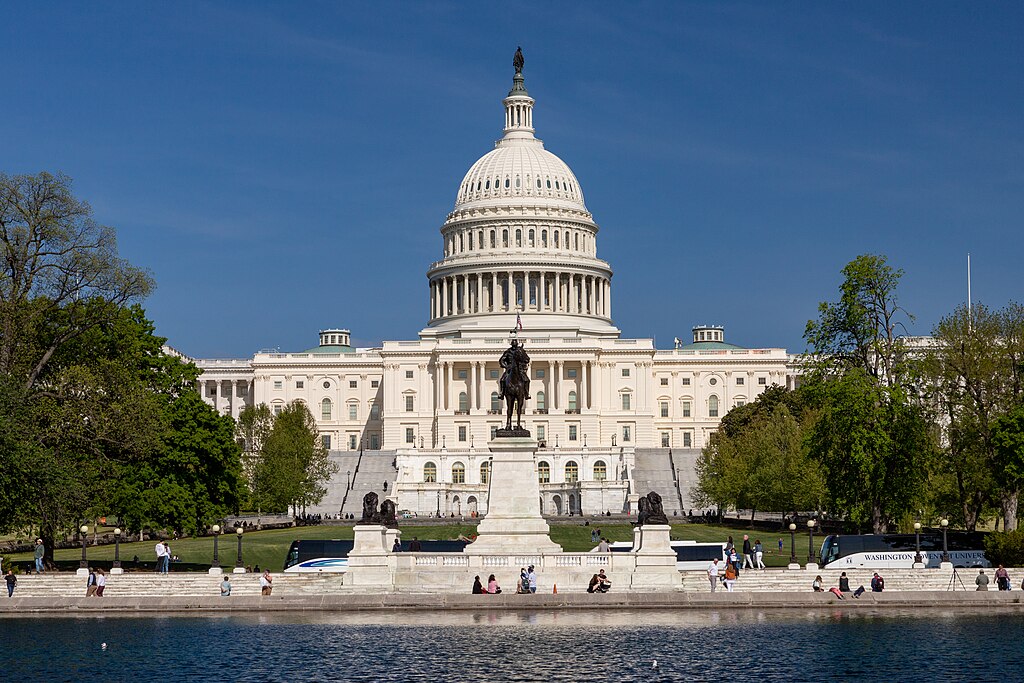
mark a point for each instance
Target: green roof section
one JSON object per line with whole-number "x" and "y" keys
{"x": 330, "y": 348}
{"x": 710, "y": 346}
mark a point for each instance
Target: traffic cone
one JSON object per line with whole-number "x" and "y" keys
{"x": 555, "y": 589}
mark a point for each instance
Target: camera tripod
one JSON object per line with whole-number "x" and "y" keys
{"x": 953, "y": 580}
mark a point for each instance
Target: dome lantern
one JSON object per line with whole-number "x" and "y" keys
{"x": 518, "y": 104}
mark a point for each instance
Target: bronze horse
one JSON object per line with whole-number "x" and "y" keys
{"x": 515, "y": 383}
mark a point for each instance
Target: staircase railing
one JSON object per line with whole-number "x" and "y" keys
{"x": 352, "y": 480}
{"x": 675, "y": 480}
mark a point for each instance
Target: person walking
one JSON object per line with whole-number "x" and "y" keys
{"x": 593, "y": 535}
{"x": 38, "y": 553}
{"x": 531, "y": 577}
{"x": 748, "y": 553}
{"x": 101, "y": 582}
{"x": 1002, "y": 579}
{"x": 266, "y": 583}
{"x": 759, "y": 555}
{"x": 225, "y": 586}
{"x": 713, "y": 574}
{"x": 734, "y": 560}
{"x": 730, "y": 577}
{"x": 90, "y": 584}
{"x": 12, "y": 581}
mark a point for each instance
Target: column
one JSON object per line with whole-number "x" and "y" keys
{"x": 446, "y": 388}
{"x": 556, "y": 376}
{"x": 444, "y": 297}
{"x": 592, "y": 283}
{"x": 465, "y": 294}
{"x": 541, "y": 291}
{"x": 479, "y": 292}
{"x": 608, "y": 298}
{"x": 510, "y": 283}
{"x": 585, "y": 398}
{"x": 492, "y": 304}
{"x": 471, "y": 389}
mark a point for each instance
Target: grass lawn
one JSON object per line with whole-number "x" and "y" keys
{"x": 268, "y": 548}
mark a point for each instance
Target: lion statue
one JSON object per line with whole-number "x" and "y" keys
{"x": 370, "y": 514}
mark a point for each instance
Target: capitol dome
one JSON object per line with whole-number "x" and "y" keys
{"x": 520, "y": 168}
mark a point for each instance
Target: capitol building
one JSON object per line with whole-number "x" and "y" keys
{"x": 614, "y": 417}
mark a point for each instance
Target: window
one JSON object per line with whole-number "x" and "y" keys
{"x": 664, "y": 381}
{"x": 572, "y": 472}
{"x": 687, "y": 440}
{"x": 485, "y": 472}
{"x": 541, "y": 404}
{"x": 374, "y": 411}
{"x": 713, "y": 381}
{"x": 299, "y": 384}
{"x": 712, "y": 406}
{"x": 665, "y": 440}
{"x": 325, "y": 409}
{"x": 664, "y": 408}
{"x": 353, "y": 384}
{"x": 493, "y": 241}
{"x": 686, "y": 381}
{"x": 495, "y": 401}
{"x": 762, "y": 381}
{"x": 519, "y": 238}
{"x": 278, "y": 384}
{"x": 740, "y": 402}
{"x": 463, "y": 402}
{"x": 493, "y": 374}
{"x": 458, "y": 473}
{"x": 600, "y": 471}
{"x": 494, "y": 432}
{"x": 353, "y": 411}
{"x": 541, "y": 432}
{"x": 374, "y": 383}
{"x": 410, "y": 435}
{"x": 327, "y": 385}
{"x": 278, "y": 408}
{"x": 461, "y": 374}
{"x": 625, "y": 402}
{"x": 374, "y": 442}
{"x": 351, "y": 442}
{"x": 572, "y": 400}
{"x": 430, "y": 473}
{"x": 543, "y": 472}
{"x": 540, "y": 374}
{"x": 571, "y": 373}
{"x": 325, "y": 441}
{"x": 504, "y": 238}
{"x": 626, "y": 433}
{"x": 739, "y": 381}
{"x": 686, "y": 409}
{"x": 409, "y": 403}
{"x": 462, "y": 433}
{"x": 573, "y": 432}
{"x": 625, "y": 372}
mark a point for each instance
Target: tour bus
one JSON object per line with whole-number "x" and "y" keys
{"x": 332, "y": 556}
{"x": 690, "y": 555}
{"x": 883, "y": 551}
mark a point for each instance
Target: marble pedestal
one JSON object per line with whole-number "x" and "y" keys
{"x": 655, "y": 558}
{"x": 513, "y": 524}
{"x": 368, "y": 561}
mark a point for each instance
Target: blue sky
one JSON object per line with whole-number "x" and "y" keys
{"x": 282, "y": 168}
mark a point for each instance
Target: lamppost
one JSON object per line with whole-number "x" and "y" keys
{"x": 792, "y": 545}
{"x": 917, "y": 543}
{"x": 811, "y": 559}
{"x": 239, "y": 567}
{"x": 215, "y": 565}
{"x": 84, "y": 564}
{"x": 117, "y": 551}
{"x": 944, "y": 523}
{"x": 348, "y": 479}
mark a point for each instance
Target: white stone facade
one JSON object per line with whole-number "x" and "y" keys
{"x": 519, "y": 244}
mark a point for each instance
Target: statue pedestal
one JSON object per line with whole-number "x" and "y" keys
{"x": 655, "y": 558}
{"x": 513, "y": 523}
{"x": 368, "y": 560}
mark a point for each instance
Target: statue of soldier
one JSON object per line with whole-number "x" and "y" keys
{"x": 516, "y": 364}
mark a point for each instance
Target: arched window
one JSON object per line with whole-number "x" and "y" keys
{"x": 463, "y": 401}
{"x": 549, "y": 183}
{"x": 504, "y": 238}
{"x": 430, "y": 473}
{"x": 325, "y": 409}
{"x": 556, "y": 239}
{"x": 519, "y": 238}
{"x": 485, "y": 472}
{"x": 471, "y": 241}
{"x": 531, "y": 237}
{"x": 543, "y": 472}
{"x": 493, "y": 241}
{"x": 462, "y": 243}
{"x": 487, "y": 185}
{"x": 538, "y": 183}
{"x": 517, "y": 181}
{"x": 544, "y": 238}
{"x": 712, "y": 406}
{"x": 600, "y": 471}
{"x": 458, "y": 473}
{"x": 506, "y": 183}
{"x": 480, "y": 240}
{"x": 557, "y": 186}
{"x": 572, "y": 472}
{"x": 576, "y": 237}
{"x": 572, "y": 400}
{"x": 495, "y": 401}
{"x": 541, "y": 404}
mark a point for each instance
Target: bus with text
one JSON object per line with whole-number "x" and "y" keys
{"x": 886, "y": 551}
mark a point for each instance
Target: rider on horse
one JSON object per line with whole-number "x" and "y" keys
{"x": 516, "y": 364}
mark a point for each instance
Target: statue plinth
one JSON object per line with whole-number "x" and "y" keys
{"x": 513, "y": 523}
{"x": 519, "y": 432}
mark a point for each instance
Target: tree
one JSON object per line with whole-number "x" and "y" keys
{"x": 872, "y": 437}
{"x": 293, "y": 467}
{"x": 1008, "y": 442}
{"x": 252, "y": 431}
{"x": 57, "y": 265}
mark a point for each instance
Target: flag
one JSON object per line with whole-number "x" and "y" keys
{"x": 519, "y": 322}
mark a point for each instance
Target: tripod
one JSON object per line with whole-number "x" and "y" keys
{"x": 955, "y": 577}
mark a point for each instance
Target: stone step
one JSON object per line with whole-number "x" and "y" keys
{"x": 153, "y": 585}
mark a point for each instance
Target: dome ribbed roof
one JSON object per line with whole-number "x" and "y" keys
{"x": 520, "y": 169}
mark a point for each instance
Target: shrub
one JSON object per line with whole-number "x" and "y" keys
{"x": 1005, "y": 548}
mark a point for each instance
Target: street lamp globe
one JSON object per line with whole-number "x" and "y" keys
{"x": 944, "y": 522}
{"x": 216, "y": 528}
{"x": 117, "y": 532}
{"x": 810, "y": 524}
{"x": 792, "y": 527}
{"x": 239, "y": 531}
{"x": 84, "y": 529}
{"x": 917, "y": 526}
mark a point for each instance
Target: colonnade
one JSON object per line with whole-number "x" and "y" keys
{"x": 238, "y": 393}
{"x": 479, "y": 387}
{"x": 544, "y": 292}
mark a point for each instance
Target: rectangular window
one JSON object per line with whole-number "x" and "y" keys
{"x": 625, "y": 401}
{"x": 540, "y": 432}
{"x": 277, "y": 410}
{"x": 374, "y": 411}
{"x": 374, "y": 383}
{"x": 493, "y": 374}
{"x": 740, "y": 402}
{"x": 462, "y": 433}
{"x": 408, "y": 403}
{"x": 571, "y": 373}
{"x": 353, "y": 411}
{"x": 686, "y": 381}
{"x": 540, "y": 374}
{"x": 352, "y": 384}
{"x": 686, "y": 409}
{"x": 627, "y": 433}
{"x": 374, "y": 442}
{"x": 352, "y": 442}
{"x": 665, "y": 438}
{"x": 625, "y": 372}
{"x": 410, "y": 435}
{"x": 494, "y": 432}
{"x": 664, "y": 408}
{"x": 572, "y": 432}
{"x": 762, "y": 381}
{"x": 739, "y": 381}
{"x": 664, "y": 381}
{"x": 278, "y": 384}
{"x": 461, "y": 374}
{"x": 687, "y": 440}
{"x": 408, "y": 374}
{"x": 325, "y": 440}
{"x": 299, "y": 384}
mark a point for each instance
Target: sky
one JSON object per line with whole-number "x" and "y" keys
{"x": 282, "y": 168}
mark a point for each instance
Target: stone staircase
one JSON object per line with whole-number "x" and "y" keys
{"x": 374, "y": 468}
{"x": 139, "y": 584}
{"x": 799, "y": 580}
{"x": 653, "y": 471}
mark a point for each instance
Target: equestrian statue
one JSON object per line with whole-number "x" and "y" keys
{"x": 514, "y": 386}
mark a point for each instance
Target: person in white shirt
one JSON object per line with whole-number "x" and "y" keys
{"x": 101, "y": 582}
{"x": 159, "y": 556}
{"x": 266, "y": 582}
{"x": 713, "y": 574}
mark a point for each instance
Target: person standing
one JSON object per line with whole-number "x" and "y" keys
{"x": 593, "y": 535}
{"x": 759, "y": 555}
{"x": 101, "y": 582}
{"x": 780, "y": 545}
{"x": 12, "y": 581}
{"x": 734, "y": 560}
{"x": 603, "y": 546}
{"x": 748, "y": 553}
{"x": 38, "y": 553}
{"x": 90, "y": 584}
{"x": 415, "y": 546}
{"x": 159, "y": 550}
{"x": 1002, "y": 579}
{"x": 878, "y": 583}
{"x": 266, "y": 583}
{"x": 713, "y": 574}
{"x": 730, "y": 576}
{"x": 397, "y": 547}
{"x": 531, "y": 578}
{"x": 167, "y": 557}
